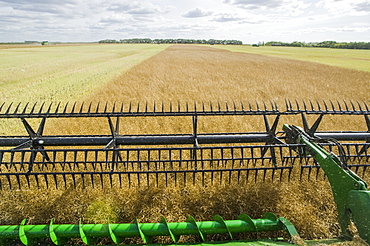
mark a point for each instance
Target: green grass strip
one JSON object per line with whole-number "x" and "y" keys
{"x": 345, "y": 58}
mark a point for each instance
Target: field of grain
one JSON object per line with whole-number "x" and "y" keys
{"x": 196, "y": 73}
{"x": 345, "y": 58}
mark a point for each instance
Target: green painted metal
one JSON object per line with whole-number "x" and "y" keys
{"x": 89, "y": 233}
{"x": 350, "y": 192}
{"x": 359, "y": 210}
{"x": 259, "y": 242}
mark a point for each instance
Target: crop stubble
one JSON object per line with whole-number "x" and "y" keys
{"x": 198, "y": 73}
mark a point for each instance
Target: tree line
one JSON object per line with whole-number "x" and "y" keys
{"x": 324, "y": 44}
{"x": 171, "y": 41}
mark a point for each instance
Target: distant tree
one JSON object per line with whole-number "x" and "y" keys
{"x": 324, "y": 44}
{"x": 173, "y": 41}
{"x": 108, "y": 41}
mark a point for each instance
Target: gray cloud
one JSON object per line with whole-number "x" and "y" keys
{"x": 45, "y": 2}
{"x": 364, "y": 6}
{"x": 255, "y": 4}
{"x": 135, "y": 8}
{"x": 196, "y": 13}
{"x": 54, "y": 7}
{"x": 227, "y": 18}
{"x": 123, "y": 6}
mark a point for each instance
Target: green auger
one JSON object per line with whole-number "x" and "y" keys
{"x": 350, "y": 192}
{"x": 89, "y": 233}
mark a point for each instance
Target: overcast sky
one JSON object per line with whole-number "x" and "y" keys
{"x": 250, "y": 21}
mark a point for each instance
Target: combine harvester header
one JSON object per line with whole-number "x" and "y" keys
{"x": 195, "y": 157}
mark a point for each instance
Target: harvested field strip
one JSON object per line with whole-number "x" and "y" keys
{"x": 345, "y": 58}
{"x": 65, "y": 72}
{"x": 198, "y": 73}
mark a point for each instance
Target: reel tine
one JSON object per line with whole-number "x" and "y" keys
{"x": 138, "y": 107}
{"x": 9, "y": 181}
{"x": 83, "y": 180}
{"x": 129, "y": 107}
{"x": 272, "y": 105}
{"x": 365, "y": 104}
{"x": 359, "y": 106}
{"x": 81, "y": 108}
{"x": 73, "y": 108}
{"x": 42, "y": 106}
{"x": 64, "y": 110}
{"x": 312, "y": 107}
{"x": 287, "y": 105}
{"x": 106, "y": 107}
{"x": 297, "y": 104}
{"x": 74, "y": 180}
{"x": 304, "y": 105}
{"x": 290, "y": 105}
{"x": 2, "y": 105}
{"x": 89, "y": 108}
{"x": 339, "y": 106}
{"x": 49, "y": 108}
{"x": 258, "y": 108}
{"x": 37, "y": 180}
{"x": 46, "y": 181}
{"x": 55, "y": 180}
{"x": 92, "y": 180}
{"x": 33, "y": 108}
{"x": 110, "y": 180}
{"x": 122, "y": 107}
{"x": 97, "y": 107}
{"x": 264, "y": 174}
{"x": 281, "y": 175}
{"x": 272, "y": 174}
{"x": 101, "y": 180}
{"x": 24, "y": 108}
{"x": 64, "y": 180}
{"x": 9, "y": 107}
{"x": 16, "y": 108}
{"x": 114, "y": 107}
{"x": 56, "y": 109}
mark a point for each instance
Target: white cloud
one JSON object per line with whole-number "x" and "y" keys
{"x": 272, "y": 7}
{"x": 196, "y": 13}
{"x": 345, "y": 7}
{"x": 227, "y": 18}
{"x": 363, "y": 6}
{"x": 255, "y": 4}
{"x": 135, "y": 7}
{"x": 248, "y": 20}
